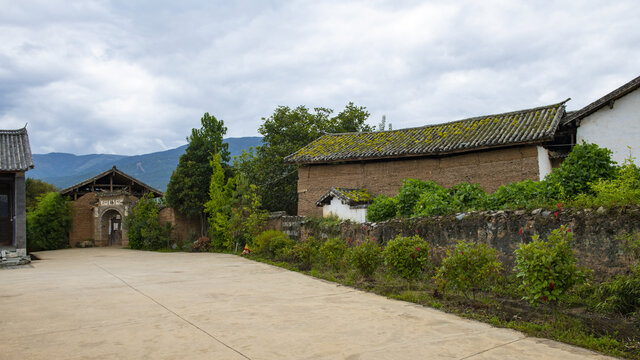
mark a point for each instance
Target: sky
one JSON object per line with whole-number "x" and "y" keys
{"x": 133, "y": 77}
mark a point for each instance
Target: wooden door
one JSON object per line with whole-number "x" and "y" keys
{"x": 6, "y": 214}
{"x": 115, "y": 233}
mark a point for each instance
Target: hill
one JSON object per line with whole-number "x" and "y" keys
{"x": 154, "y": 169}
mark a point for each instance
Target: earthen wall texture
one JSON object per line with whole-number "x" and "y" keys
{"x": 82, "y": 223}
{"x": 490, "y": 169}
{"x": 181, "y": 224}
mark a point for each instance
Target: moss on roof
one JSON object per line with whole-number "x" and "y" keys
{"x": 463, "y": 135}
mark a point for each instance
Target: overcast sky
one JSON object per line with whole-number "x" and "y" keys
{"x": 113, "y": 77}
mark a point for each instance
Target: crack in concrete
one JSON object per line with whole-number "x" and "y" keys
{"x": 173, "y": 312}
{"x": 492, "y": 348}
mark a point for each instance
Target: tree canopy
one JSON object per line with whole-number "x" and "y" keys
{"x": 284, "y": 132}
{"x": 35, "y": 188}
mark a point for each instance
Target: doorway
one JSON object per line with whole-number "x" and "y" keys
{"x": 112, "y": 227}
{"x": 6, "y": 213}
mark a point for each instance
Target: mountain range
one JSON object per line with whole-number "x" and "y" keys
{"x": 154, "y": 169}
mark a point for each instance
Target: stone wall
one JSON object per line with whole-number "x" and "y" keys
{"x": 82, "y": 219}
{"x": 595, "y": 232}
{"x": 490, "y": 168}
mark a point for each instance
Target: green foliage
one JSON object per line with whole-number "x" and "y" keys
{"x": 468, "y": 268}
{"x": 410, "y": 192}
{"x": 143, "y": 226}
{"x": 621, "y": 190}
{"x": 382, "y": 208}
{"x": 49, "y": 223}
{"x": 332, "y": 252}
{"x": 366, "y": 257}
{"x": 620, "y": 295}
{"x": 468, "y": 197}
{"x": 521, "y": 195}
{"x": 434, "y": 201}
{"x": 406, "y": 256}
{"x": 218, "y": 206}
{"x": 329, "y": 225}
{"x": 187, "y": 190}
{"x": 304, "y": 253}
{"x": 548, "y": 269}
{"x": 284, "y": 132}
{"x": 247, "y": 218}
{"x": 271, "y": 243}
{"x": 586, "y": 164}
{"x": 35, "y": 188}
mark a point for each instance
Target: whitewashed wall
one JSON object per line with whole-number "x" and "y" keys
{"x": 343, "y": 211}
{"x": 544, "y": 163}
{"x": 615, "y": 128}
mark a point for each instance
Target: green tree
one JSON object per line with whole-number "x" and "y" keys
{"x": 218, "y": 206}
{"x": 187, "y": 190}
{"x": 48, "y": 223}
{"x": 143, "y": 226}
{"x": 35, "y": 188}
{"x": 284, "y": 132}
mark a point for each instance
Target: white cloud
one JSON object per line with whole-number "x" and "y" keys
{"x": 127, "y": 77}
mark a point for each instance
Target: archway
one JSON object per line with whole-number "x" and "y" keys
{"x": 111, "y": 227}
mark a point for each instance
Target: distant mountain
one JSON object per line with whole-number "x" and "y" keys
{"x": 154, "y": 169}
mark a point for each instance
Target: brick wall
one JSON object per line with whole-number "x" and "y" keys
{"x": 82, "y": 219}
{"x": 490, "y": 169}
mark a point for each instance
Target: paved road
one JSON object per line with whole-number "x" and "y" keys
{"x": 122, "y": 304}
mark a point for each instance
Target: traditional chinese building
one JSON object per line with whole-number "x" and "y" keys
{"x": 15, "y": 160}
{"x": 100, "y": 204}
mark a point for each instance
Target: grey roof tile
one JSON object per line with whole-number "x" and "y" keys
{"x": 15, "y": 151}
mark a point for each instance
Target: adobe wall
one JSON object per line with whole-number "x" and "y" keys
{"x": 181, "y": 223}
{"x": 82, "y": 219}
{"x": 490, "y": 169}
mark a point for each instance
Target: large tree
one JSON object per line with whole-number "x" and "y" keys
{"x": 284, "y": 132}
{"x": 188, "y": 189}
{"x": 35, "y": 188}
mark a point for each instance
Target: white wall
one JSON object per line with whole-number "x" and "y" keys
{"x": 615, "y": 128}
{"x": 343, "y": 211}
{"x": 544, "y": 163}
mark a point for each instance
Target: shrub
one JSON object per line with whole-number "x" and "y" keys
{"x": 468, "y": 268}
{"x": 586, "y": 164}
{"x": 406, "y": 256}
{"x": 547, "y": 269}
{"x": 332, "y": 252}
{"x": 49, "y": 223}
{"x": 366, "y": 257}
{"x": 434, "y": 201}
{"x": 143, "y": 226}
{"x": 409, "y": 194}
{"x": 623, "y": 189}
{"x": 468, "y": 197}
{"x": 383, "y": 208}
{"x": 272, "y": 242}
{"x": 520, "y": 195}
{"x": 304, "y": 253}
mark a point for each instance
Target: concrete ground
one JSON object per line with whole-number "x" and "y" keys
{"x": 110, "y": 303}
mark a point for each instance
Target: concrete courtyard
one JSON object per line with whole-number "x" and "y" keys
{"x": 107, "y": 303}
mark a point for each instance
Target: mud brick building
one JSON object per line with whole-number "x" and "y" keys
{"x": 15, "y": 160}
{"x": 100, "y": 205}
{"x": 489, "y": 150}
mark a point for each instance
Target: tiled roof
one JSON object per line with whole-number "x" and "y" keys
{"x": 348, "y": 196}
{"x": 15, "y": 152}
{"x": 605, "y": 100}
{"x": 102, "y": 181}
{"x": 518, "y": 127}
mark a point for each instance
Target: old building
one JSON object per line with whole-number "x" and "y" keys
{"x": 348, "y": 204}
{"x": 489, "y": 150}
{"x": 612, "y": 121}
{"x": 15, "y": 160}
{"x": 100, "y": 205}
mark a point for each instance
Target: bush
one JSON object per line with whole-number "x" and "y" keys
{"x": 468, "y": 197}
{"x": 410, "y": 193}
{"x": 406, "y": 256}
{"x": 547, "y": 269}
{"x": 366, "y": 257}
{"x": 49, "y": 223}
{"x": 468, "y": 268}
{"x": 383, "y": 208}
{"x": 623, "y": 189}
{"x": 620, "y": 295}
{"x": 143, "y": 226}
{"x": 521, "y": 195}
{"x": 271, "y": 243}
{"x": 332, "y": 252}
{"x": 436, "y": 201}
{"x": 304, "y": 253}
{"x": 586, "y": 164}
